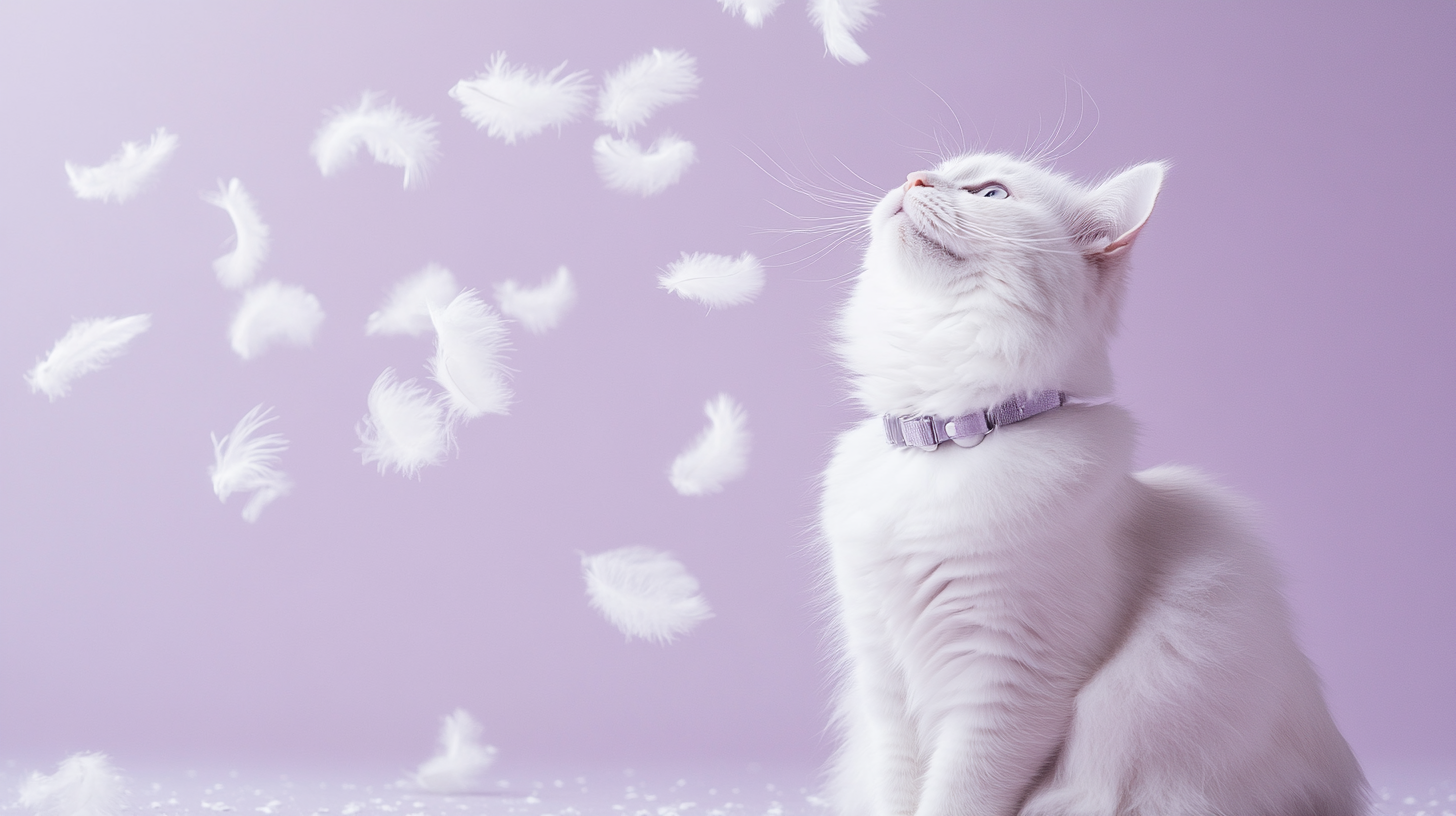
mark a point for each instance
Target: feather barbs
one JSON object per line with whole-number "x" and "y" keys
{"x": 406, "y": 427}
{"x": 634, "y": 92}
{"x": 84, "y": 785}
{"x": 470, "y": 347}
{"x": 718, "y": 455}
{"x": 124, "y": 174}
{"x": 460, "y": 760}
{"x": 539, "y": 308}
{"x": 646, "y": 594}
{"x": 714, "y": 280}
{"x": 391, "y": 136}
{"x": 839, "y": 20}
{"x": 244, "y": 462}
{"x": 511, "y": 102}
{"x": 236, "y": 269}
{"x": 88, "y": 346}
{"x": 623, "y": 165}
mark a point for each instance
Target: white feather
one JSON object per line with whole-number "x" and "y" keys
{"x": 714, "y": 280}
{"x": 470, "y": 344}
{"x": 624, "y": 166}
{"x": 644, "y": 593}
{"x": 635, "y": 91}
{"x": 126, "y": 173}
{"x": 838, "y": 20}
{"x": 720, "y": 453}
{"x": 511, "y": 102}
{"x": 87, "y": 347}
{"x": 405, "y": 427}
{"x": 84, "y": 785}
{"x": 244, "y": 463}
{"x": 539, "y": 309}
{"x": 407, "y": 309}
{"x": 272, "y": 313}
{"x": 236, "y": 269}
{"x": 754, "y": 11}
{"x": 460, "y": 760}
{"x": 392, "y": 137}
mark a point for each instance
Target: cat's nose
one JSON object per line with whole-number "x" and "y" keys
{"x": 919, "y": 178}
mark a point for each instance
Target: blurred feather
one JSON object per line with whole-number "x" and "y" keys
{"x": 542, "y": 308}
{"x": 126, "y": 173}
{"x": 635, "y": 91}
{"x": 754, "y": 11}
{"x": 720, "y": 453}
{"x": 461, "y": 759}
{"x": 84, "y": 785}
{"x": 87, "y": 347}
{"x": 243, "y": 463}
{"x": 714, "y": 280}
{"x": 511, "y": 102}
{"x": 470, "y": 343}
{"x": 272, "y": 313}
{"x": 236, "y": 269}
{"x": 392, "y": 137}
{"x": 623, "y": 166}
{"x": 405, "y": 428}
{"x": 644, "y": 593}
{"x": 839, "y": 20}
{"x": 407, "y": 309}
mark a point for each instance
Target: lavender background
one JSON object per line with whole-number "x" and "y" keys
{"x": 1288, "y": 329}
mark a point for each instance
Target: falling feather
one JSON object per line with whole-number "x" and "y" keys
{"x": 754, "y": 11}
{"x": 87, "y": 347}
{"x": 392, "y": 137}
{"x": 714, "y": 280}
{"x": 470, "y": 344}
{"x": 511, "y": 102}
{"x": 274, "y": 313}
{"x": 839, "y": 20}
{"x": 461, "y": 759}
{"x": 84, "y": 785}
{"x": 720, "y": 453}
{"x": 638, "y": 89}
{"x": 236, "y": 269}
{"x": 539, "y": 309}
{"x": 407, "y": 309}
{"x": 624, "y": 166}
{"x": 405, "y": 428}
{"x": 644, "y": 593}
{"x": 244, "y": 463}
{"x": 125, "y": 174}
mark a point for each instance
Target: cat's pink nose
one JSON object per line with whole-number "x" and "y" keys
{"x": 918, "y": 179}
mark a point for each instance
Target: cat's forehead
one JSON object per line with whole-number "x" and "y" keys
{"x": 977, "y": 167}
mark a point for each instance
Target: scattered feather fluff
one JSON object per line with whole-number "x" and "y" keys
{"x": 392, "y": 136}
{"x": 470, "y": 342}
{"x": 87, "y": 347}
{"x": 644, "y": 593}
{"x": 754, "y": 11}
{"x": 457, "y": 766}
{"x": 623, "y": 166}
{"x": 84, "y": 785}
{"x": 719, "y": 454}
{"x": 272, "y": 313}
{"x": 539, "y": 309}
{"x": 244, "y": 463}
{"x": 407, "y": 309}
{"x": 510, "y": 102}
{"x": 714, "y": 280}
{"x": 635, "y": 91}
{"x": 126, "y": 173}
{"x": 405, "y": 428}
{"x": 839, "y": 19}
{"x": 236, "y": 269}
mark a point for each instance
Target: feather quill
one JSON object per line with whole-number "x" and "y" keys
{"x": 644, "y": 593}
{"x": 87, "y": 347}
{"x": 407, "y": 309}
{"x": 124, "y": 174}
{"x": 244, "y": 463}
{"x": 839, "y": 20}
{"x": 714, "y": 280}
{"x": 236, "y": 269}
{"x": 539, "y": 309}
{"x": 511, "y": 102}
{"x": 273, "y": 313}
{"x": 624, "y": 166}
{"x": 405, "y": 427}
{"x": 754, "y": 11}
{"x": 392, "y": 137}
{"x": 461, "y": 759}
{"x": 470, "y": 345}
{"x": 639, "y": 88}
{"x": 720, "y": 453}
{"x": 84, "y": 785}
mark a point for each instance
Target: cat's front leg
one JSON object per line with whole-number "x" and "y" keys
{"x": 877, "y": 771}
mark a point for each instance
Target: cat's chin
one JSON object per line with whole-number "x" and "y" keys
{"x": 920, "y": 246}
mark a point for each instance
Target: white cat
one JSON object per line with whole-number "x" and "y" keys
{"x": 1026, "y": 627}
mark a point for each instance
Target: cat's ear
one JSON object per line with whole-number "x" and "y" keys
{"x": 1118, "y": 209}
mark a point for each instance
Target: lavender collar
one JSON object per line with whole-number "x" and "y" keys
{"x": 967, "y": 430}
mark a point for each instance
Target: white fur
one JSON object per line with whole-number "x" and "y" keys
{"x": 406, "y": 426}
{"x": 624, "y": 166}
{"x": 244, "y": 463}
{"x": 125, "y": 174}
{"x": 392, "y": 137}
{"x": 839, "y": 20}
{"x": 274, "y": 313}
{"x": 88, "y": 346}
{"x": 84, "y": 785}
{"x": 236, "y": 269}
{"x": 511, "y": 102}
{"x": 461, "y": 759}
{"x": 720, "y": 453}
{"x": 407, "y": 308}
{"x": 469, "y": 361}
{"x": 540, "y": 309}
{"x": 1025, "y": 627}
{"x": 644, "y": 593}
{"x": 754, "y": 11}
{"x": 714, "y": 280}
{"x": 638, "y": 89}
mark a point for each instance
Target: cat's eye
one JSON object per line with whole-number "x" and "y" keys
{"x": 990, "y": 191}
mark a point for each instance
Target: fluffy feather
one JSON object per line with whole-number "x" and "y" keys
{"x": 839, "y": 19}
{"x": 644, "y": 593}
{"x": 470, "y": 344}
{"x": 84, "y": 785}
{"x": 88, "y": 346}
{"x": 405, "y": 428}
{"x": 623, "y": 166}
{"x": 456, "y": 767}
{"x": 244, "y": 463}
{"x": 236, "y": 269}
{"x": 125, "y": 174}
{"x": 407, "y": 309}
{"x": 714, "y": 280}
{"x": 272, "y": 313}
{"x": 635, "y": 91}
{"x": 539, "y": 309}
{"x": 754, "y": 11}
{"x": 511, "y": 102}
{"x": 719, "y": 454}
{"x": 392, "y": 136}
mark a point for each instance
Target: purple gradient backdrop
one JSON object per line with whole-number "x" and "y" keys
{"x": 1288, "y": 329}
